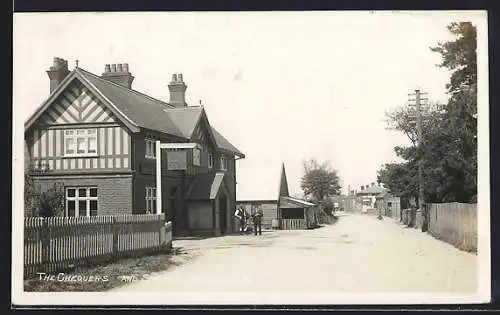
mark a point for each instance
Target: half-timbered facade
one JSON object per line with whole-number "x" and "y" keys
{"x": 97, "y": 137}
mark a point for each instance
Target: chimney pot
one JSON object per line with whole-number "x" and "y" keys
{"x": 119, "y": 74}
{"x": 177, "y": 90}
{"x": 57, "y": 72}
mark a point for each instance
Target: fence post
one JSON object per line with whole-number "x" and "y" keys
{"x": 114, "y": 228}
{"x": 425, "y": 213}
{"x": 161, "y": 229}
{"x": 45, "y": 244}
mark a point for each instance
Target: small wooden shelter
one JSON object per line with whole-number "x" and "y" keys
{"x": 293, "y": 213}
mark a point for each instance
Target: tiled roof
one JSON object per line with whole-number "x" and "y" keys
{"x": 185, "y": 118}
{"x": 205, "y": 186}
{"x": 153, "y": 114}
{"x": 143, "y": 110}
{"x": 223, "y": 143}
{"x": 288, "y": 202}
{"x": 372, "y": 190}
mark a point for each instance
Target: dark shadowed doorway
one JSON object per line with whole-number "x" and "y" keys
{"x": 223, "y": 213}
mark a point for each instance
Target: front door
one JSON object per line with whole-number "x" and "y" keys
{"x": 223, "y": 214}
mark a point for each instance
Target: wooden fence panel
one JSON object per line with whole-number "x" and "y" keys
{"x": 454, "y": 223}
{"x": 56, "y": 243}
{"x": 294, "y": 224}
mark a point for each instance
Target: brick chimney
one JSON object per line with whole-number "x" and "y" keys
{"x": 57, "y": 72}
{"x": 177, "y": 89}
{"x": 119, "y": 74}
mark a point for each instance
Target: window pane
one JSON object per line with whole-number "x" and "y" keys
{"x": 71, "y": 192}
{"x": 68, "y": 132}
{"x": 82, "y": 192}
{"x": 93, "y": 207}
{"x": 153, "y": 206}
{"x": 71, "y": 208}
{"x": 70, "y": 145}
{"x": 93, "y": 192}
{"x": 92, "y": 145}
{"x": 153, "y": 192}
{"x": 80, "y": 132}
{"x": 82, "y": 208}
{"x": 92, "y": 131}
{"x": 80, "y": 145}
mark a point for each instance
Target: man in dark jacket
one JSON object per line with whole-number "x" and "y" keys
{"x": 257, "y": 221}
{"x": 242, "y": 218}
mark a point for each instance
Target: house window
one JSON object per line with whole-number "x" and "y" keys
{"x": 197, "y": 156}
{"x": 81, "y": 201}
{"x": 210, "y": 160}
{"x": 223, "y": 163}
{"x": 151, "y": 200}
{"x": 150, "y": 148}
{"x": 80, "y": 142}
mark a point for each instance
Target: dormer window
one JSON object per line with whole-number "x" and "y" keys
{"x": 223, "y": 163}
{"x": 150, "y": 149}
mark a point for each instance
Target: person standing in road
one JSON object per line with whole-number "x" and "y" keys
{"x": 257, "y": 221}
{"x": 242, "y": 217}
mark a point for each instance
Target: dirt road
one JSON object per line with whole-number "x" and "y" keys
{"x": 357, "y": 254}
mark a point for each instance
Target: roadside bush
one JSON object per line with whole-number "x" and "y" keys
{"x": 50, "y": 203}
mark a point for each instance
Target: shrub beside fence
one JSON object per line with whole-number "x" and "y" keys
{"x": 57, "y": 243}
{"x": 454, "y": 223}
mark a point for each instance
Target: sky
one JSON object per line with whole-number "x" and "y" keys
{"x": 283, "y": 87}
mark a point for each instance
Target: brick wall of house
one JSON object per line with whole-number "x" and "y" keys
{"x": 114, "y": 191}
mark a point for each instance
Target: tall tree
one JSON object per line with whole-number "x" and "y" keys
{"x": 449, "y": 148}
{"x": 460, "y": 126}
{"x": 320, "y": 180}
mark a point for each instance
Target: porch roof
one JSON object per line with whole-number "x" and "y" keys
{"x": 205, "y": 186}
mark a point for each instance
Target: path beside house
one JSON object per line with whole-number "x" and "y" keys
{"x": 357, "y": 254}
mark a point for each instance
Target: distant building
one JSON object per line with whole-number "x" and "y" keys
{"x": 368, "y": 196}
{"x": 287, "y": 212}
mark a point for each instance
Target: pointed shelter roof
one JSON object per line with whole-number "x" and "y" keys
{"x": 283, "y": 192}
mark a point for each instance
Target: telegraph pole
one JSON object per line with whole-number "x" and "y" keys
{"x": 418, "y": 111}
